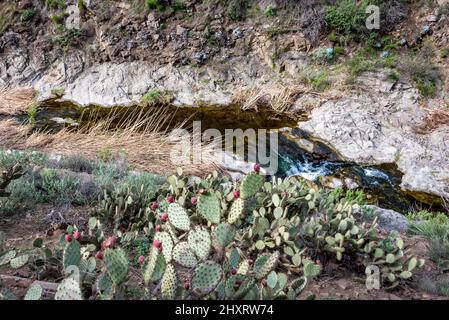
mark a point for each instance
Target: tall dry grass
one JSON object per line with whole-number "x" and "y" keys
{"x": 144, "y": 138}
{"x": 16, "y": 101}
{"x": 277, "y": 97}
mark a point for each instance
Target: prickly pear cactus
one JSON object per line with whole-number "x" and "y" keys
{"x": 7, "y": 257}
{"x": 150, "y": 264}
{"x": 200, "y": 242}
{"x": 264, "y": 264}
{"x": 116, "y": 264}
{"x": 311, "y": 270}
{"x": 69, "y": 289}
{"x": 224, "y": 234}
{"x": 236, "y": 210}
{"x": 167, "y": 245}
{"x": 104, "y": 286}
{"x": 251, "y": 184}
{"x": 34, "y": 292}
{"x": 19, "y": 262}
{"x": 206, "y": 277}
{"x": 184, "y": 256}
{"x": 169, "y": 283}
{"x": 178, "y": 217}
{"x": 209, "y": 207}
{"x": 72, "y": 254}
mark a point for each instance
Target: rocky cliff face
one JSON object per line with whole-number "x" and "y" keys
{"x": 111, "y": 53}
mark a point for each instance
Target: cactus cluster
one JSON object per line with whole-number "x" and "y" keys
{"x": 214, "y": 239}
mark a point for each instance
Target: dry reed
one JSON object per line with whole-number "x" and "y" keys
{"x": 144, "y": 138}
{"x": 16, "y": 101}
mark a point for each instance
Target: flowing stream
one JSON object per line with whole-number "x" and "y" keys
{"x": 321, "y": 165}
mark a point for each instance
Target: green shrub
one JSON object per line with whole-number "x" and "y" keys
{"x": 155, "y": 4}
{"x": 61, "y": 188}
{"x": 358, "y": 65}
{"x": 237, "y": 9}
{"x": 27, "y": 14}
{"x": 346, "y": 16}
{"x": 156, "y": 96}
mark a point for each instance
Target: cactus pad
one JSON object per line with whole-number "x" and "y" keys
{"x": 251, "y": 184}
{"x": 69, "y": 289}
{"x": 209, "y": 207}
{"x": 19, "y": 262}
{"x": 244, "y": 288}
{"x": 104, "y": 286}
{"x": 236, "y": 210}
{"x": 167, "y": 244}
{"x": 34, "y": 292}
{"x": 200, "y": 242}
{"x": 168, "y": 283}
{"x": 178, "y": 217}
{"x": 264, "y": 264}
{"x": 183, "y": 255}
{"x": 311, "y": 270}
{"x": 224, "y": 234}
{"x": 153, "y": 266}
{"x": 206, "y": 277}
{"x": 7, "y": 257}
{"x": 72, "y": 254}
{"x": 116, "y": 264}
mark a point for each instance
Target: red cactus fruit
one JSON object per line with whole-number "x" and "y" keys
{"x": 257, "y": 167}
{"x": 186, "y": 285}
{"x": 68, "y": 238}
{"x": 158, "y": 228}
{"x": 193, "y": 201}
{"x": 154, "y": 206}
{"x": 99, "y": 255}
{"x": 157, "y": 244}
{"x": 233, "y": 271}
{"x": 141, "y": 259}
{"x": 164, "y": 217}
{"x": 236, "y": 194}
{"x": 170, "y": 199}
{"x": 77, "y": 235}
{"x": 201, "y": 191}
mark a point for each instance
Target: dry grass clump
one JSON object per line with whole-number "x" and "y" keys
{"x": 434, "y": 119}
{"x": 141, "y": 137}
{"x": 277, "y": 97}
{"x": 16, "y": 101}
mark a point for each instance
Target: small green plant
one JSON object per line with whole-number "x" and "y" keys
{"x": 237, "y": 9}
{"x": 346, "y": 16}
{"x": 178, "y": 6}
{"x": 156, "y": 96}
{"x": 317, "y": 79}
{"x": 358, "y": 65}
{"x": 269, "y": 12}
{"x": 32, "y": 111}
{"x": 445, "y": 53}
{"x": 27, "y": 14}
{"x": 155, "y": 4}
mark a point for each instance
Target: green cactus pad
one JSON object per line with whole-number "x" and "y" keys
{"x": 209, "y": 207}
{"x": 311, "y": 270}
{"x": 251, "y": 184}
{"x": 206, "y": 277}
{"x": 104, "y": 286}
{"x": 69, "y": 289}
{"x": 72, "y": 254}
{"x": 116, "y": 264}
{"x": 244, "y": 288}
{"x": 178, "y": 217}
{"x": 200, "y": 242}
{"x": 230, "y": 285}
{"x": 167, "y": 244}
{"x": 7, "y": 257}
{"x": 264, "y": 264}
{"x": 34, "y": 292}
{"x": 223, "y": 234}
{"x": 243, "y": 267}
{"x": 236, "y": 210}
{"x": 168, "y": 283}
{"x": 183, "y": 255}
{"x": 153, "y": 266}
{"x": 19, "y": 262}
